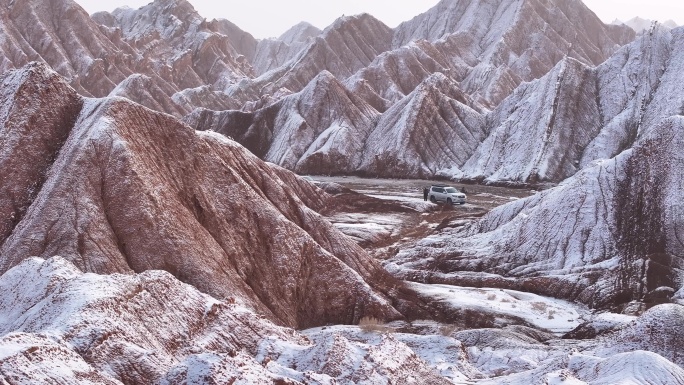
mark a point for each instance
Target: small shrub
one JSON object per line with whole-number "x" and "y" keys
{"x": 551, "y": 314}
{"x": 446, "y": 330}
{"x": 372, "y": 324}
{"x": 539, "y": 306}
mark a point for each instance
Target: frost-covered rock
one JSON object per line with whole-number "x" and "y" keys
{"x": 609, "y": 235}
{"x": 636, "y": 89}
{"x": 129, "y": 328}
{"x": 188, "y": 50}
{"x": 432, "y": 86}
{"x": 273, "y": 53}
{"x": 349, "y": 355}
{"x": 549, "y": 129}
{"x": 322, "y": 129}
{"x": 515, "y": 41}
{"x": 395, "y": 74}
{"x": 146, "y": 55}
{"x": 115, "y": 187}
{"x": 659, "y": 330}
{"x": 62, "y": 34}
{"x": 343, "y": 48}
{"x": 538, "y": 134}
{"x": 326, "y": 129}
{"x": 30, "y": 359}
{"x": 433, "y": 128}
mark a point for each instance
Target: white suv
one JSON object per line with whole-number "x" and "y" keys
{"x": 450, "y": 195}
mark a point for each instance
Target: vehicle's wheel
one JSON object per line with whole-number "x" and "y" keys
{"x": 432, "y": 199}
{"x": 449, "y": 201}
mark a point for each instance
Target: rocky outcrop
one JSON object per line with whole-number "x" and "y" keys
{"x": 27, "y": 359}
{"x": 540, "y": 132}
{"x": 433, "y": 128}
{"x": 166, "y": 57}
{"x": 515, "y": 41}
{"x": 658, "y": 330}
{"x": 186, "y": 50}
{"x": 60, "y": 324}
{"x": 61, "y": 33}
{"x": 147, "y": 55}
{"x": 549, "y": 129}
{"x": 532, "y": 135}
{"x": 131, "y": 329}
{"x": 40, "y": 135}
{"x": 348, "y": 355}
{"x": 395, "y": 74}
{"x": 322, "y": 129}
{"x": 153, "y": 93}
{"x": 118, "y": 188}
{"x": 273, "y": 53}
{"x": 343, "y": 48}
{"x": 637, "y": 88}
{"x": 607, "y": 236}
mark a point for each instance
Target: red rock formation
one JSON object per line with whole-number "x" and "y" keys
{"x": 348, "y": 45}
{"x": 322, "y": 129}
{"x": 62, "y": 34}
{"x": 609, "y": 235}
{"x": 185, "y": 48}
{"x": 120, "y": 188}
{"x": 515, "y": 41}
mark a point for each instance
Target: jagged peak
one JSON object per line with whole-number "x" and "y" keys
{"x": 38, "y": 72}
{"x": 323, "y": 82}
{"x": 299, "y": 33}
{"x": 157, "y": 5}
{"x": 362, "y": 19}
{"x": 35, "y": 68}
{"x": 159, "y": 10}
{"x": 442, "y": 83}
{"x": 434, "y": 85}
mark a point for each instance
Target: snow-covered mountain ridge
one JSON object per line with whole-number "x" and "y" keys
{"x": 136, "y": 250}
{"x": 169, "y": 58}
{"x": 118, "y": 188}
{"x": 607, "y": 236}
{"x": 545, "y": 131}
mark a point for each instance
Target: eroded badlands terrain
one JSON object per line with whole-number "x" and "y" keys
{"x": 153, "y": 229}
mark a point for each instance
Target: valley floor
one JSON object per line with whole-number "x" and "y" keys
{"x": 391, "y": 214}
{"x": 502, "y": 336}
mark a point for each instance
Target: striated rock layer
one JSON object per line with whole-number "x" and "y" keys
{"x": 607, "y": 236}
{"x": 324, "y": 128}
{"x": 168, "y": 58}
{"x": 165, "y": 45}
{"x": 346, "y": 46}
{"x": 58, "y": 324}
{"x": 113, "y": 329}
{"x": 434, "y": 87}
{"x": 118, "y": 188}
{"x": 515, "y": 41}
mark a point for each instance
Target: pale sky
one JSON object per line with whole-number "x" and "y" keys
{"x": 270, "y": 18}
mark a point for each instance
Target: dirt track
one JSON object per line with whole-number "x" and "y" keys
{"x": 385, "y": 215}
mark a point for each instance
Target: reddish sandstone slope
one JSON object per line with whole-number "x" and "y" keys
{"x": 115, "y": 187}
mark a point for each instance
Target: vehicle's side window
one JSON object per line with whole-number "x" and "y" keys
{"x": 439, "y": 190}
